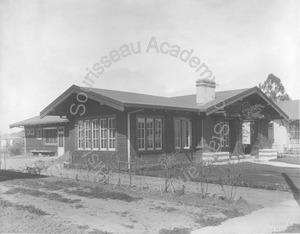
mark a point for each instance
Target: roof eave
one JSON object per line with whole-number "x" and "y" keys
{"x": 76, "y": 89}
{"x": 244, "y": 94}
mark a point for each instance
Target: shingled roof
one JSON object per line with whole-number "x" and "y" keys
{"x": 291, "y": 108}
{"x": 38, "y": 120}
{"x": 187, "y": 102}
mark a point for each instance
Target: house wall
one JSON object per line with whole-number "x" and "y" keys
{"x": 34, "y": 143}
{"x": 98, "y": 158}
{"x": 152, "y": 156}
{"x": 281, "y": 136}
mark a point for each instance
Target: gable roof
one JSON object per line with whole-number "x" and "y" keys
{"x": 120, "y": 100}
{"x": 291, "y": 108}
{"x": 38, "y": 120}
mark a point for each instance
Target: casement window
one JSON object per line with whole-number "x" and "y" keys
{"x": 103, "y": 134}
{"x": 95, "y": 134}
{"x": 87, "y": 128}
{"x": 141, "y": 133}
{"x": 182, "y": 131}
{"x": 158, "y": 134}
{"x": 149, "y": 133}
{"x": 39, "y": 133}
{"x": 80, "y": 135}
{"x": 111, "y": 134}
{"x": 222, "y": 128}
{"x": 50, "y": 136}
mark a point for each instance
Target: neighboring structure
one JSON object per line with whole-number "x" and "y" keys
{"x": 128, "y": 126}
{"x": 44, "y": 134}
{"x": 12, "y": 139}
{"x": 285, "y": 133}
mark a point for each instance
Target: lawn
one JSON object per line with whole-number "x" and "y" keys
{"x": 252, "y": 175}
{"x": 291, "y": 160}
{"x": 57, "y": 205}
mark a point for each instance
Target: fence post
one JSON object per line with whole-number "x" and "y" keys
{"x": 130, "y": 177}
{"x": 119, "y": 180}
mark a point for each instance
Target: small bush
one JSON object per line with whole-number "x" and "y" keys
{"x": 16, "y": 149}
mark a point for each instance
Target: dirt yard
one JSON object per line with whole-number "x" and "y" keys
{"x": 56, "y": 205}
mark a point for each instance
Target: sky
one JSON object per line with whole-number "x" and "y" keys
{"x": 48, "y": 45}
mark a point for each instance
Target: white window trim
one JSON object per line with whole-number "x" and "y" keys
{"x": 182, "y": 131}
{"x": 100, "y": 138}
{"x": 108, "y": 135}
{"x": 161, "y": 132}
{"x": 77, "y": 135}
{"x": 144, "y": 135}
{"x": 153, "y": 118}
{"x": 152, "y": 129}
{"x": 85, "y": 134}
{"x": 98, "y": 135}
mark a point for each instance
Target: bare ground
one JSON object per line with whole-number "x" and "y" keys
{"x": 66, "y": 206}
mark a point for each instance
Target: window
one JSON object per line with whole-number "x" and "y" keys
{"x": 222, "y": 128}
{"x": 111, "y": 134}
{"x": 30, "y": 132}
{"x": 80, "y": 135}
{"x": 149, "y": 133}
{"x": 182, "y": 128}
{"x": 87, "y": 128}
{"x": 141, "y": 133}
{"x": 158, "y": 134}
{"x": 50, "y": 136}
{"x": 39, "y": 133}
{"x": 95, "y": 132}
{"x": 103, "y": 134}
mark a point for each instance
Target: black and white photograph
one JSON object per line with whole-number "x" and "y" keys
{"x": 149, "y": 116}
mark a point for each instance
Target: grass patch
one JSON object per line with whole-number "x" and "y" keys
{"x": 175, "y": 231}
{"x": 253, "y": 175}
{"x": 97, "y": 231}
{"x": 28, "y": 208}
{"x": 295, "y": 228}
{"x": 209, "y": 221}
{"x": 37, "y": 193}
{"x": 291, "y": 160}
{"x": 100, "y": 193}
{"x": 164, "y": 209}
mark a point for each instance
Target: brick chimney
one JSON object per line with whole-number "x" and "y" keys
{"x": 205, "y": 91}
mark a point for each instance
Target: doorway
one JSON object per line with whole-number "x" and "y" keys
{"x": 61, "y": 141}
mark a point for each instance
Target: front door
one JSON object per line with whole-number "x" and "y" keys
{"x": 61, "y": 141}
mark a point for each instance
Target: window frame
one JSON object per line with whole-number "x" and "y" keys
{"x": 146, "y": 130}
{"x": 81, "y": 128}
{"x": 185, "y": 124}
{"x": 39, "y": 136}
{"x": 109, "y": 138}
{"x": 45, "y": 139}
{"x": 95, "y": 134}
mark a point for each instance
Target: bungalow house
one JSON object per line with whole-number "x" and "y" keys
{"x": 286, "y": 133}
{"x": 126, "y": 126}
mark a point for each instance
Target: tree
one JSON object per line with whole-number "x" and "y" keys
{"x": 274, "y": 89}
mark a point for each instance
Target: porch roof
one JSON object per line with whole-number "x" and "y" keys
{"x": 39, "y": 121}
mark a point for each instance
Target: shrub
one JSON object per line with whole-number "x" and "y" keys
{"x": 168, "y": 163}
{"x": 15, "y": 149}
{"x": 229, "y": 181}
